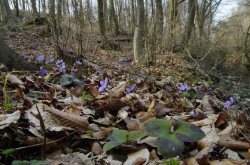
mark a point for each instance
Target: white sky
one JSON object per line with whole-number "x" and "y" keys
{"x": 225, "y": 9}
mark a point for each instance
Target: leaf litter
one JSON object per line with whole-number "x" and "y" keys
{"x": 99, "y": 117}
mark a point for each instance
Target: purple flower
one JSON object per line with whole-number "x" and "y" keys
{"x": 183, "y": 87}
{"x": 229, "y": 103}
{"x": 73, "y": 70}
{"x": 196, "y": 88}
{"x": 61, "y": 65}
{"x": 24, "y": 56}
{"x": 104, "y": 84}
{"x": 78, "y": 62}
{"x": 43, "y": 71}
{"x": 131, "y": 89}
{"x": 40, "y": 58}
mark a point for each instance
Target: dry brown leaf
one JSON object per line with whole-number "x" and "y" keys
{"x": 15, "y": 80}
{"x": 7, "y": 119}
{"x": 227, "y": 162}
{"x": 138, "y": 158}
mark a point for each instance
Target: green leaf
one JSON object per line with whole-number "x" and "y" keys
{"x": 193, "y": 94}
{"x": 185, "y": 94}
{"x": 170, "y": 146}
{"x": 188, "y": 132}
{"x": 134, "y": 135}
{"x": 187, "y": 104}
{"x": 157, "y": 127}
{"x": 116, "y": 138}
{"x": 8, "y": 151}
{"x": 67, "y": 79}
{"x": 171, "y": 161}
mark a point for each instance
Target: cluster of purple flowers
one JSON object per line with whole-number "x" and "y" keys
{"x": 104, "y": 85}
{"x": 61, "y": 65}
{"x": 183, "y": 87}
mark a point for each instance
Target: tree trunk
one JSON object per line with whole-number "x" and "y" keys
{"x": 9, "y": 15}
{"x": 89, "y": 13}
{"x": 190, "y": 23}
{"x": 113, "y": 16}
{"x": 34, "y": 9}
{"x": 23, "y": 5}
{"x": 133, "y": 20}
{"x": 138, "y": 43}
{"x": 16, "y": 7}
{"x": 101, "y": 19}
{"x": 12, "y": 60}
{"x": 44, "y": 6}
{"x": 159, "y": 24}
{"x": 2, "y": 11}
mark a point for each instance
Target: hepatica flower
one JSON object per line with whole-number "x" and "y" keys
{"x": 43, "y": 71}
{"x": 78, "y": 62}
{"x": 183, "y": 87}
{"x": 131, "y": 89}
{"x": 61, "y": 65}
{"x": 40, "y": 58}
{"x": 104, "y": 84}
{"x": 229, "y": 103}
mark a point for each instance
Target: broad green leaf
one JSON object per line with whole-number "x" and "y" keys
{"x": 8, "y": 151}
{"x": 170, "y": 146}
{"x": 157, "y": 127}
{"x": 116, "y": 138}
{"x": 188, "y": 132}
{"x": 187, "y": 104}
{"x": 193, "y": 94}
{"x": 134, "y": 135}
{"x": 67, "y": 79}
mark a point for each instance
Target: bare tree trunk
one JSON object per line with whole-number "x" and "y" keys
{"x": 9, "y": 15}
{"x": 138, "y": 43}
{"x": 159, "y": 24}
{"x": 101, "y": 21}
{"x": 23, "y": 5}
{"x": 34, "y": 9}
{"x": 2, "y": 11}
{"x": 113, "y": 16}
{"x": 190, "y": 22}
{"x": 173, "y": 8}
{"x": 89, "y": 13}
{"x": 133, "y": 20}
{"x": 44, "y": 6}
{"x": 16, "y": 7}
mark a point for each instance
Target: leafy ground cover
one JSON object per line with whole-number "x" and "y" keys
{"x": 117, "y": 112}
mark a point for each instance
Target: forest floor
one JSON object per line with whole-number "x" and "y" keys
{"x": 104, "y": 109}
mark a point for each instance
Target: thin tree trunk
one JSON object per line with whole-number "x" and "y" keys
{"x": 190, "y": 22}
{"x": 9, "y": 15}
{"x": 16, "y": 7}
{"x": 101, "y": 21}
{"x": 113, "y": 16}
{"x": 34, "y": 9}
{"x": 133, "y": 20}
{"x": 138, "y": 43}
{"x": 159, "y": 23}
{"x": 23, "y": 5}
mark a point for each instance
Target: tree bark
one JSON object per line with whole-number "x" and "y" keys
{"x": 34, "y": 9}
{"x": 12, "y": 60}
{"x": 190, "y": 23}
{"x": 101, "y": 21}
{"x": 138, "y": 43}
{"x": 16, "y": 7}
{"x": 159, "y": 24}
{"x": 9, "y": 15}
{"x": 113, "y": 16}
